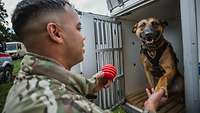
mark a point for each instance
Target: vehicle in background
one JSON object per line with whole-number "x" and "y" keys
{"x": 15, "y": 49}
{"x": 6, "y": 65}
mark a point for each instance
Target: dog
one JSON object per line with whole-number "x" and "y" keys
{"x": 158, "y": 57}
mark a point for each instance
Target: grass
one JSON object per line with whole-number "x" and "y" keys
{"x": 16, "y": 68}
{"x": 4, "y": 88}
{"x": 3, "y": 94}
{"x": 118, "y": 109}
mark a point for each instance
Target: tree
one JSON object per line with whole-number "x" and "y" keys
{"x": 6, "y": 34}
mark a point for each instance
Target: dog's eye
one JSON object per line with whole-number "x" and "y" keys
{"x": 155, "y": 24}
{"x": 142, "y": 25}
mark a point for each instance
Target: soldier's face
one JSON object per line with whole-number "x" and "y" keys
{"x": 73, "y": 39}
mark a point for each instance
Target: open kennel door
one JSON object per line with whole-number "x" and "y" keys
{"x": 108, "y": 41}
{"x": 103, "y": 45}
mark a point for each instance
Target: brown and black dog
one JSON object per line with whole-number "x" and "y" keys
{"x": 158, "y": 57}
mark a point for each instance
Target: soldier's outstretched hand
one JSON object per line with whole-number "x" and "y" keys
{"x": 154, "y": 100}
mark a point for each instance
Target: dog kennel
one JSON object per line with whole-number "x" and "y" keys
{"x": 110, "y": 40}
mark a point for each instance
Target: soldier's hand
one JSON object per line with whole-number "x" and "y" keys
{"x": 154, "y": 100}
{"x": 108, "y": 84}
{"x": 107, "y": 75}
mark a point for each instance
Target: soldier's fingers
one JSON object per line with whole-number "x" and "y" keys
{"x": 99, "y": 75}
{"x": 152, "y": 90}
{"x": 108, "y": 84}
{"x": 148, "y": 92}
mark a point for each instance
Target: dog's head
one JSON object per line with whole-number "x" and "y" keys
{"x": 150, "y": 30}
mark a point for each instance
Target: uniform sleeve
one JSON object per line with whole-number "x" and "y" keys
{"x": 88, "y": 87}
{"x": 43, "y": 97}
{"x": 78, "y": 105}
{"x": 45, "y": 104}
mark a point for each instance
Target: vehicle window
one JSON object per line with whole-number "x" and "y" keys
{"x": 11, "y": 47}
{"x": 2, "y": 47}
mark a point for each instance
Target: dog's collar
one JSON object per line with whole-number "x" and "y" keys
{"x": 158, "y": 52}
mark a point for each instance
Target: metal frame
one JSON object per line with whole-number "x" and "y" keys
{"x": 127, "y": 6}
{"x": 190, "y": 30}
{"x": 108, "y": 41}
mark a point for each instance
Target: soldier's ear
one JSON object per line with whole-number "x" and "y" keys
{"x": 134, "y": 28}
{"x": 164, "y": 23}
{"x": 55, "y": 32}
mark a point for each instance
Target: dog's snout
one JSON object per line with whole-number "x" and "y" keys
{"x": 148, "y": 32}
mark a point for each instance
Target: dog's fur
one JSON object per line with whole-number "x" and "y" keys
{"x": 158, "y": 56}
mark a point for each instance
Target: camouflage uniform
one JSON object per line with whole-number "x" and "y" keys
{"x": 44, "y": 86}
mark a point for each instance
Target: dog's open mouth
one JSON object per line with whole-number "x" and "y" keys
{"x": 148, "y": 40}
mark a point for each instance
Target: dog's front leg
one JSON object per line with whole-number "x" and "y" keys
{"x": 166, "y": 79}
{"x": 148, "y": 74}
{"x": 168, "y": 63}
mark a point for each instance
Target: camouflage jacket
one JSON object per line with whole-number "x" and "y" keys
{"x": 44, "y": 86}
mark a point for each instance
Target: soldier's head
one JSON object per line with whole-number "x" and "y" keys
{"x": 50, "y": 28}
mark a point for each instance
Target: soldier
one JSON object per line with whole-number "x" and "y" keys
{"x": 50, "y": 30}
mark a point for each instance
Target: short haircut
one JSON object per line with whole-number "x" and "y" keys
{"x": 28, "y": 9}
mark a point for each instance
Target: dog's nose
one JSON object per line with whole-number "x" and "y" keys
{"x": 148, "y": 32}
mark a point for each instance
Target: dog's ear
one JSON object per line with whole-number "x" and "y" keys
{"x": 164, "y": 23}
{"x": 134, "y": 28}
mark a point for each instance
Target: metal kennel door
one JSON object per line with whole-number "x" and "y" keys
{"x": 108, "y": 46}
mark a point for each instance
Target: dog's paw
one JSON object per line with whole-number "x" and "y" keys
{"x": 162, "y": 84}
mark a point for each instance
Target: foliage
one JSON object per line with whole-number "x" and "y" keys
{"x": 3, "y": 94}
{"x": 16, "y": 68}
{"x": 118, "y": 109}
{"x": 6, "y": 86}
{"x": 6, "y": 34}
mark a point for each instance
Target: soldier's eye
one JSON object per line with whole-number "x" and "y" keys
{"x": 78, "y": 27}
{"x": 142, "y": 25}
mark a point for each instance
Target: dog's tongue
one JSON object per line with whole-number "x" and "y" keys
{"x": 149, "y": 41}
